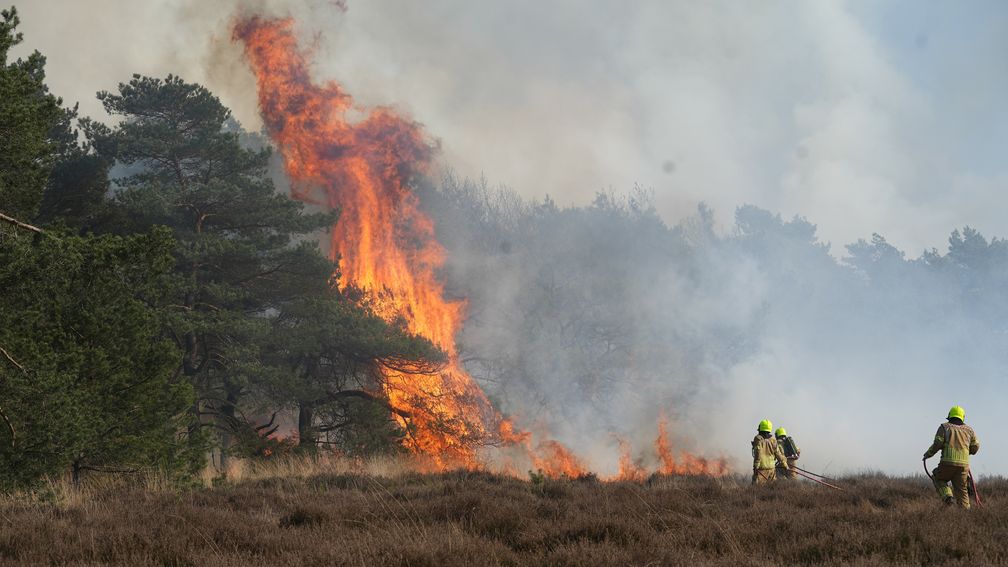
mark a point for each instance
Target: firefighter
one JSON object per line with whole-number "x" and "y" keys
{"x": 956, "y": 441}
{"x": 791, "y": 451}
{"x": 767, "y": 455}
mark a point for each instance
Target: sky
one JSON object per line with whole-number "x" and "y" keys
{"x": 861, "y": 116}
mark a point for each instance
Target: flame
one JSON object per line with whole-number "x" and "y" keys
{"x": 388, "y": 244}
{"x": 364, "y": 169}
{"x": 687, "y": 463}
{"x": 555, "y": 460}
{"x": 629, "y": 469}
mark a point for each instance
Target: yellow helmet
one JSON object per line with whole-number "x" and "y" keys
{"x": 958, "y": 412}
{"x": 765, "y": 425}
{"x": 781, "y": 432}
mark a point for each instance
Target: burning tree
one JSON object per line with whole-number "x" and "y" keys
{"x": 387, "y": 242}
{"x": 252, "y": 306}
{"x": 336, "y": 352}
{"x": 367, "y": 169}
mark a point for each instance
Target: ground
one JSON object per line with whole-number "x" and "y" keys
{"x": 472, "y": 518}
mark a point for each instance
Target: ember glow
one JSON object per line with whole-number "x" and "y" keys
{"x": 386, "y": 245}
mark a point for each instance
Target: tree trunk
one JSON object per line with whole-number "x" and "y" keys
{"x": 307, "y": 436}
{"x": 228, "y": 411}
{"x": 75, "y": 473}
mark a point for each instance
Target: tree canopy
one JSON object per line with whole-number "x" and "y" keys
{"x": 184, "y": 295}
{"x": 29, "y": 118}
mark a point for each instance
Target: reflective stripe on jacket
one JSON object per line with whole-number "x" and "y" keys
{"x": 956, "y": 443}
{"x": 767, "y": 454}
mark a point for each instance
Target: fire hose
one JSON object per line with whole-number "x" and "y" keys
{"x": 802, "y": 473}
{"x": 972, "y": 483}
{"x": 976, "y": 493}
{"x": 824, "y": 477}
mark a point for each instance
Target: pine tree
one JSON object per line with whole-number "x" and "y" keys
{"x": 85, "y": 381}
{"x": 240, "y": 252}
{"x": 29, "y": 116}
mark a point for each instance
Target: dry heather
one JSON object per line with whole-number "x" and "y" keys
{"x": 304, "y": 516}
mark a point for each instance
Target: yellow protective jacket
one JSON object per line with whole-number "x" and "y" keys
{"x": 956, "y": 443}
{"x": 767, "y": 454}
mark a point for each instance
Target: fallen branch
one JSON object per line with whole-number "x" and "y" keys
{"x": 20, "y": 224}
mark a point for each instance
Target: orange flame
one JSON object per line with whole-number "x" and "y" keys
{"x": 388, "y": 247}
{"x": 687, "y": 463}
{"x": 555, "y": 460}
{"x": 388, "y": 244}
{"x": 629, "y": 469}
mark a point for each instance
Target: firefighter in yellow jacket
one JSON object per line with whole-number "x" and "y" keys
{"x": 956, "y": 441}
{"x": 767, "y": 455}
{"x": 790, "y": 449}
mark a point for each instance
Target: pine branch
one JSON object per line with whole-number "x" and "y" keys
{"x": 333, "y": 396}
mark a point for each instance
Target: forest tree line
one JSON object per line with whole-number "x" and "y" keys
{"x": 601, "y": 319}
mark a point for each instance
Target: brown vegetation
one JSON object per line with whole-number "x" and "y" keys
{"x": 469, "y": 518}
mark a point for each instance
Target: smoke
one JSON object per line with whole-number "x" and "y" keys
{"x": 861, "y": 117}
{"x": 591, "y": 322}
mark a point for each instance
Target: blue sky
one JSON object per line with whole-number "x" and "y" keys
{"x": 953, "y": 50}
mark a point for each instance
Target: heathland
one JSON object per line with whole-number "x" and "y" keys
{"x": 340, "y": 514}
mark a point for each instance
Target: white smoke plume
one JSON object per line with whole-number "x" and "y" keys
{"x": 862, "y": 117}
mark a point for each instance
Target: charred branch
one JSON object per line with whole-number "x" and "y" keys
{"x": 361, "y": 394}
{"x": 334, "y": 426}
{"x": 268, "y": 424}
{"x": 406, "y": 366}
